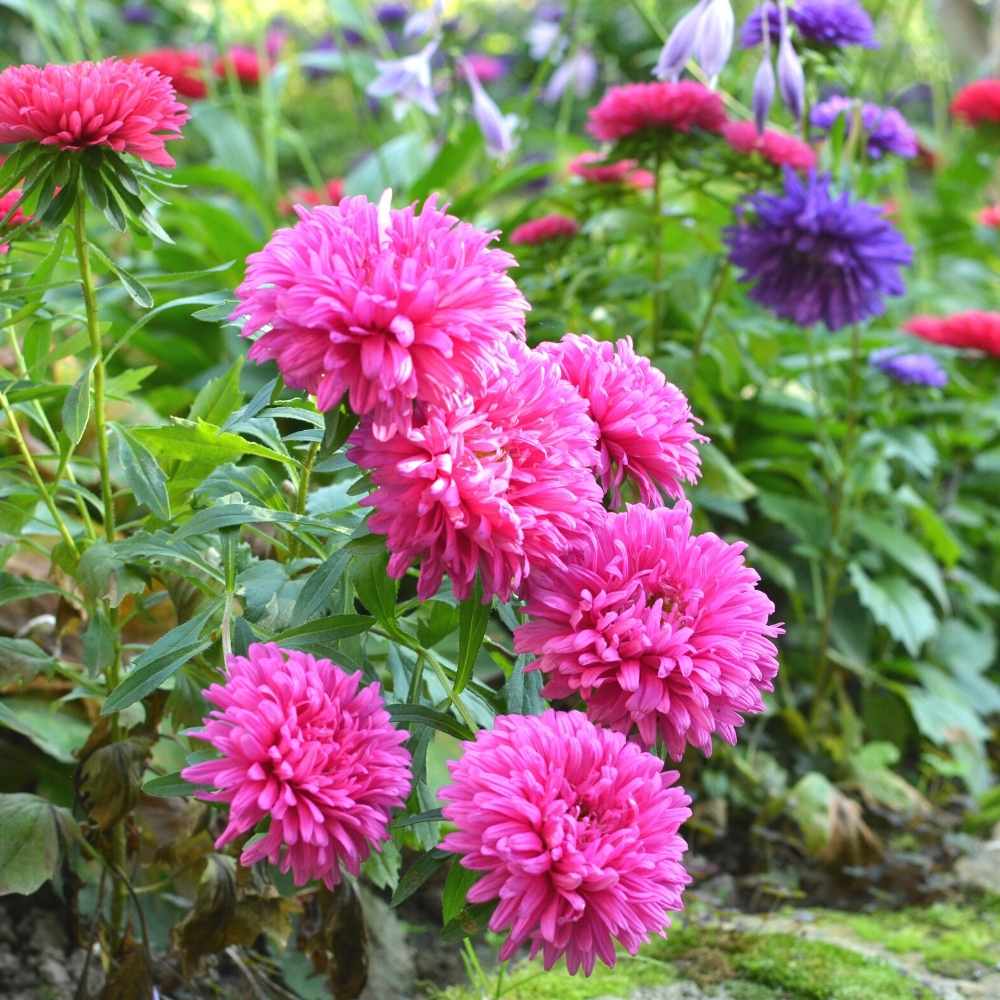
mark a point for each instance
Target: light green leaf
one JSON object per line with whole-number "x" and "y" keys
{"x": 897, "y": 605}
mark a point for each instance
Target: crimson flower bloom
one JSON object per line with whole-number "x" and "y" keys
{"x": 124, "y": 106}
{"x": 330, "y": 193}
{"x": 646, "y": 431}
{"x": 304, "y": 747}
{"x": 672, "y": 107}
{"x": 659, "y": 631}
{"x": 979, "y": 331}
{"x": 544, "y": 229}
{"x": 387, "y": 306}
{"x": 978, "y": 103}
{"x": 182, "y": 67}
{"x": 778, "y": 148}
{"x": 575, "y": 832}
{"x": 245, "y": 63}
{"x": 594, "y": 168}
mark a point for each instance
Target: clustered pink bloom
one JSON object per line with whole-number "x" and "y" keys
{"x": 778, "y": 148}
{"x": 990, "y": 216}
{"x": 122, "y": 105}
{"x": 594, "y": 168}
{"x": 497, "y": 483}
{"x": 303, "y": 747}
{"x": 576, "y": 833}
{"x": 391, "y": 307}
{"x": 672, "y": 107}
{"x": 646, "y": 430}
{"x": 544, "y": 229}
{"x": 184, "y": 68}
{"x": 975, "y": 329}
{"x": 658, "y": 630}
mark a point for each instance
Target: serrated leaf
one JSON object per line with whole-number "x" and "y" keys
{"x": 189, "y": 441}
{"x": 104, "y": 575}
{"x": 35, "y": 836}
{"x": 897, "y": 605}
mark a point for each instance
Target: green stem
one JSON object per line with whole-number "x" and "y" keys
{"x": 654, "y": 332}
{"x": 713, "y": 303}
{"x": 302, "y": 494}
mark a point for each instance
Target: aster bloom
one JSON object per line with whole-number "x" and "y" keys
{"x": 330, "y": 193}
{"x": 122, "y": 106}
{"x": 408, "y": 80}
{"x": 544, "y": 229}
{"x": 990, "y": 216}
{"x": 488, "y": 69}
{"x": 576, "y": 833}
{"x": 243, "y": 61}
{"x": 659, "y": 631}
{"x": 182, "y": 67}
{"x": 496, "y": 127}
{"x": 672, "y": 107}
{"x": 778, "y": 148}
{"x": 577, "y": 73}
{"x": 495, "y": 483}
{"x": 305, "y": 747}
{"x": 11, "y": 219}
{"x": 977, "y": 330}
{"x": 387, "y": 306}
{"x": 138, "y": 13}
{"x": 827, "y": 23}
{"x": 593, "y": 167}
{"x": 909, "y": 369}
{"x": 978, "y": 103}
{"x": 886, "y": 130}
{"x": 815, "y": 256}
{"x": 646, "y": 430}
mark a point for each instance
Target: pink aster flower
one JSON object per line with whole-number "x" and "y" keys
{"x": 647, "y": 432}
{"x": 17, "y": 218}
{"x": 990, "y": 216}
{"x": 576, "y": 833}
{"x": 594, "y": 168}
{"x": 387, "y": 306}
{"x": 666, "y": 106}
{"x": 123, "y": 105}
{"x": 303, "y": 747}
{"x": 658, "y": 630}
{"x": 544, "y": 229}
{"x": 493, "y": 484}
{"x": 779, "y": 148}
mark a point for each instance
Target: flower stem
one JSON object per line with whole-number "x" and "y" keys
{"x": 654, "y": 333}
{"x": 713, "y": 302}
{"x": 302, "y": 493}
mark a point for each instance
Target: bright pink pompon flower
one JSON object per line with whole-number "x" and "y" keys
{"x": 594, "y": 168}
{"x": 658, "y": 630}
{"x": 978, "y": 103}
{"x": 990, "y": 216}
{"x": 647, "y": 432}
{"x": 388, "y": 307}
{"x": 303, "y": 747}
{"x": 125, "y": 106}
{"x": 674, "y": 107}
{"x": 779, "y": 148}
{"x": 494, "y": 484}
{"x": 977, "y": 330}
{"x": 544, "y": 229}
{"x": 576, "y": 833}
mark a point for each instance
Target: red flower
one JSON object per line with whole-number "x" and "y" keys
{"x": 329, "y": 194}
{"x": 973, "y": 329}
{"x": 779, "y": 148}
{"x": 634, "y": 107}
{"x": 18, "y": 218}
{"x": 541, "y": 230}
{"x": 593, "y": 167}
{"x": 977, "y": 103}
{"x": 182, "y": 67}
{"x": 990, "y": 216}
{"x": 244, "y": 61}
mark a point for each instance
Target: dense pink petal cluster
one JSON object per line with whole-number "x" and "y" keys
{"x": 975, "y": 329}
{"x": 594, "y": 168}
{"x": 646, "y": 430}
{"x": 671, "y": 107}
{"x": 978, "y": 103}
{"x": 658, "y": 630}
{"x": 544, "y": 229}
{"x": 495, "y": 484}
{"x": 387, "y": 306}
{"x": 122, "y": 105}
{"x": 307, "y": 749}
{"x": 778, "y": 148}
{"x": 576, "y": 833}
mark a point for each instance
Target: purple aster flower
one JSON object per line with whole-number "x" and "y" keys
{"x": 813, "y": 255}
{"x": 407, "y": 79}
{"x": 391, "y": 14}
{"x": 887, "y": 130}
{"x": 138, "y": 13}
{"x": 835, "y": 23}
{"x": 910, "y": 369}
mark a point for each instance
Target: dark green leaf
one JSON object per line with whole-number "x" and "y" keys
{"x": 315, "y": 594}
{"x": 417, "y": 874}
{"x": 375, "y": 588}
{"x": 219, "y": 397}
{"x": 420, "y": 714}
{"x": 169, "y": 785}
{"x": 104, "y": 575}
{"x": 143, "y": 474}
{"x": 459, "y": 881}
{"x": 35, "y": 836}
{"x": 524, "y": 690}
{"x": 473, "y": 617}
{"x": 316, "y": 636}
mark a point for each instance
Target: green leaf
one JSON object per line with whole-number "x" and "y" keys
{"x": 897, "y": 605}
{"x": 169, "y": 785}
{"x": 473, "y": 617}
{"x": 315, "y": 594}
{"x": 21, "y": 660}
{"x": 417, "y": 874}
{"x": 219, "y": 397}
{"x": 98, "y": 643}
{"x": 456, "y": 886}
{"x": 14, "y": 588}
{"x": 190, "y": 441}
{"x": 524, "y": 690}
{"x": 382, "y": 867}
{"x": 420, "y": 714}
{"x": 104, "y": 575}
{"x": 143, "y": 474}
{"x": 76, "y": 406}
{"x": 34, "y": 841}
{"x": 229, "y": 515}
{"x": 375, "y": 588}
{"x": 316, "y": 636}
{"x": 137, "y": 291}
{"x": 722, "y": 478}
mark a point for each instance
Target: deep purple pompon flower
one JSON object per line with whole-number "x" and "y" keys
{"x": 887, "y": 131}
{"x": 816, "y": 256}
{"x": 910, "y": 369}
{"x": 835, "y": 23}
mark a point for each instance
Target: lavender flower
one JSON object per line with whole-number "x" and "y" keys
{"x": 831, "y": 23}
{"x": 423, "y": 22}
{"x": 679, "y": 47}
{"x": 887, "y": 130}
{"x": 497, "y": 128}
{"x": 391, "y": 14}
{"x": 763, "y": 91}
{"x": 791, "y": 78}
{"x": 715, "y": 37}
{"x": 544, "y": 38}
{"x": 909, "y": 369}
{"x": 815, "y": 256}
{"x": 408, "y": 79}
{"x": 579, "y": 71}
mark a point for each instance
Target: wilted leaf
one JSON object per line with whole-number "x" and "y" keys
{"x": 104, "y": 575}
{"x": 21, "y": 660}
{"x": 333, "y": 934}
{"x": 110, "y": 777}
{"x": 831, "y": 823}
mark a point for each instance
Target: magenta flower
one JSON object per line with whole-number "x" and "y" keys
{"x": 544, "y": 229}
{"x": 647, "y": 432}
{"x": 386, "y": 306}
{"x": 576, "y": 833}
{"x": 303, "y": 747}
{"x": 656, "y": 629}
{"x": 124, "y": 106}
{"x": 494, "y": 484}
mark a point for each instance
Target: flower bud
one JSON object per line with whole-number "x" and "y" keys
{"x": 497, "y": 128}
{"x": 680, "y": 45}
{"x": 763, "y": 91}
{"x": 791, "y": 79}
{"x": 714, "y": 43}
